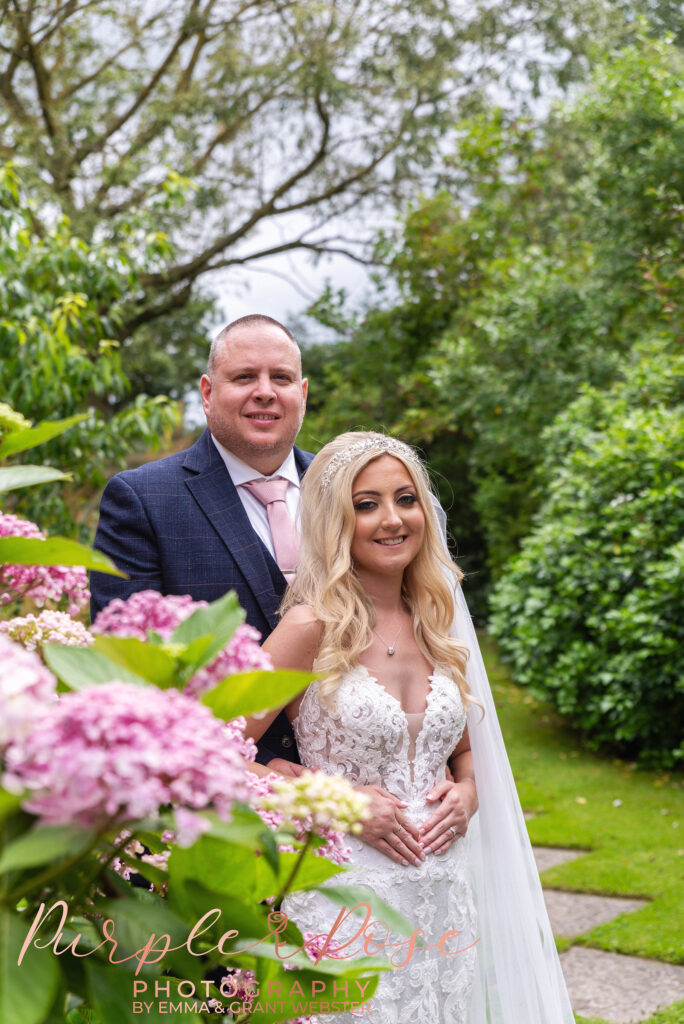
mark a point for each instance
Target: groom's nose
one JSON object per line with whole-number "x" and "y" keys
{"x": 263, "y": 388}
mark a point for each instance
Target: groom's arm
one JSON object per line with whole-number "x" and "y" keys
{"x": 125, "y": 534}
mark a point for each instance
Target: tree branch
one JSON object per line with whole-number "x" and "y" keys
{"x": 98, "y": 144}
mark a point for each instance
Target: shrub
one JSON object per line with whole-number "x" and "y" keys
{"x": 589, "y": 612}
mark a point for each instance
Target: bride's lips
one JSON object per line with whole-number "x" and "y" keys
{"x": 390, "y": 542}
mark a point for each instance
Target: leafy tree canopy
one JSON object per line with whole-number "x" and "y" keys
{"x": 564, "y": 256}
{"x": 61, "y": 302}
{"x": 275, "y": 108}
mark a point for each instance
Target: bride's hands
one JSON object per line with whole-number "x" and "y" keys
{"x": 449, "y": 822}
{"x": 388, "y": 829}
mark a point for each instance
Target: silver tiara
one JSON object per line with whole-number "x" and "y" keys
{"x": 380, "y": 445}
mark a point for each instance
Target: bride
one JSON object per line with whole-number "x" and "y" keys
{"x": 402, "y": 708}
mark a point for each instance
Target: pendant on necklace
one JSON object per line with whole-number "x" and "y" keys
{"x": 390, "y": 650}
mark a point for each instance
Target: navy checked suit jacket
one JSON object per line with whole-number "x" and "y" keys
{"x": 178, "y": 526}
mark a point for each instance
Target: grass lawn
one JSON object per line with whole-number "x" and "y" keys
{"x": 630, "y": 822}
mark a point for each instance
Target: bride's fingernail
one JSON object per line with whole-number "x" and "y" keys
{"x": 405, "y": 863}
{"x": 418, "y": 860}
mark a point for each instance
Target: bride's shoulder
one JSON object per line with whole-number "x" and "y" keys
{"x": 301, "y": 615}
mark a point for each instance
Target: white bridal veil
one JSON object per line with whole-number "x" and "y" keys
{"x": 519, "y": 978}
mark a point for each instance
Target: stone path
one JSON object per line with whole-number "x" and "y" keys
{"x": 616, "y": 988}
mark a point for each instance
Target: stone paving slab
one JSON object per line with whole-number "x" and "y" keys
{"x": 573, "y": 913}
{"x": 551, "y": 856}
{"x": 620, "y": 989}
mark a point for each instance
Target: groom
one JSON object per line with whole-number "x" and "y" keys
{"x": 188, "y": 524}
{"x": 191, "y": 523}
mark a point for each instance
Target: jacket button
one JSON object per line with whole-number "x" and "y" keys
{"x": 286, "y": 741}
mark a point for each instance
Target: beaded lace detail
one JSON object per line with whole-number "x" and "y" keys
{"x": 366, "y": 737}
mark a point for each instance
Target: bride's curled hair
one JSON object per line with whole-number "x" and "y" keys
{"x": 326, "y": 579}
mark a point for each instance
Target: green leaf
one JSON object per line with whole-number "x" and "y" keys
{"x": 79, "y": 667}
{"x": 247, "y": 693}
{"x": 281, "y": 1005}
{"x": 27, "y": 990}
{"x": 313, "y": 869}
{"x": 14, "y": 477}
{"x": 42, "y": 845}
{"x": 193, "y": 900}
{"x": 142, "y": 915}
{"x": 54, "y": 551}
{"x": 9, "y": 803}
{"x": 140, "y": 658}
{"x": 219, "y": 621}
{"x": 22, "y": 440}
{"x": 352, "y": 895}
{"x": 111, "y": 991}
{"x": 224, "y": 868}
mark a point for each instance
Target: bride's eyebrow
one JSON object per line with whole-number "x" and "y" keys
{"x": 356, "y": 494}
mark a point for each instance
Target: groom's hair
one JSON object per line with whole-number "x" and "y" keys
{"x": 251, "y": 319}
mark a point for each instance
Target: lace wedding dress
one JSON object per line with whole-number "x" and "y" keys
{"x": 369, "y": 739}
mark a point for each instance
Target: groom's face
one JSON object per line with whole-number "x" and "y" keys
{"x": 255, "y": 399}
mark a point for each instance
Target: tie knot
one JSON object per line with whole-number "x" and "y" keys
{"x": 268, "y": 491}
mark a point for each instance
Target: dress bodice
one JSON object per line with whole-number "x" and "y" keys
{"x": 365, "y": 735}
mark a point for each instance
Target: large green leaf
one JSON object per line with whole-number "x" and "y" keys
{"x": 53, "y": 551}
{"x": 79, "y": 667}
{"x": 247, "y": 693}
{"x": 280, "y": 990}
{"x": 9, "y": 802}
{"x": 22, "y": 440}
{"x": 140, "y": 658}
{"x": 14, "y": 477}
{"x": 224, "y": 868}
{"x": 193, "y": 900}
{"x": 41, "y": 845}
{"x": 313, "y": 869}
{"x": 26, "y": 990}
{"x": 111, "y": 992}
{"x": 143, "y": 914}
{"x": 219, "y": 621}
{"x": 352, "y": 895}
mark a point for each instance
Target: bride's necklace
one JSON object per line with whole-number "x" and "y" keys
{"x": 391, "y": 648}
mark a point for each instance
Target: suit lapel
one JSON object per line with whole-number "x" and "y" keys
{"x": 217, "y": 496}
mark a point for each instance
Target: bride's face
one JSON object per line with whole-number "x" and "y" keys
{"x": 390, "y": 522}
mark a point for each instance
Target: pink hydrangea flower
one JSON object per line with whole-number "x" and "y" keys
{"x": 147, "y": 609}
{"x": 121, "y": 752}
{"x": 49, "y": 627}
{"x": 41, "y": 583}
{"x": 27, "y": 690}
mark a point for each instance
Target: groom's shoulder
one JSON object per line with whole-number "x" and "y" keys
{"x": 163, "y": 472}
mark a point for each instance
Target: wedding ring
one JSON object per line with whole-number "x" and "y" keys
{"x": 454, "y": 833}
{"x": 398, "y": 829}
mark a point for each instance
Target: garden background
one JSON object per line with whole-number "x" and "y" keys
{"x": 513, "y": 178}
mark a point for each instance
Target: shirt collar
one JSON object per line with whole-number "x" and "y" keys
{"x": 241, "y": 473}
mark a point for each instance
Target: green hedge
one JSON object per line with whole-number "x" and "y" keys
{"x": 590, "y": 613}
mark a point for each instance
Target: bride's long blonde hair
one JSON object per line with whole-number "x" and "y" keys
{"x": 327, "y": 582}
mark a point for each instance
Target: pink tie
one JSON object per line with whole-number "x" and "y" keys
{"x": 284, "y": 533}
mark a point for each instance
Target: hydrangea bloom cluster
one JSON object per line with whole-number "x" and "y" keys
{"x": 49, "y": 627}
{"x": 27, "y": 689}
{"x": 11, "y": 420}
{"x": 319, "y": 801}
{"x": 148, "y": 609}
{"x": 41, "y": 583}
{"x": 261, "y": 795}
{"x": 119, "y": 752}
{"x": 241, "y": 986}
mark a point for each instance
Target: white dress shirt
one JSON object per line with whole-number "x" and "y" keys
{"x": 241, "y": 473}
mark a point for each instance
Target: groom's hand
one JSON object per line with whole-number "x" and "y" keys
{"x": 283, "y": 767}
{"x": 388, "y": 829}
